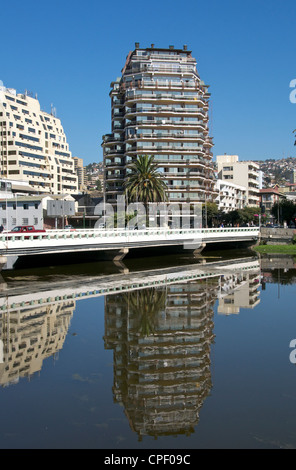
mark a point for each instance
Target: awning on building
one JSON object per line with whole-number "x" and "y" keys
{"x": 23, "y": 187}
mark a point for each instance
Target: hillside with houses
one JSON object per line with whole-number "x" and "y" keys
{"x": 280, "y": 172}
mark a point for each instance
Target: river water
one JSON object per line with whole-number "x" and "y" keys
{"x": 171, "y": 352}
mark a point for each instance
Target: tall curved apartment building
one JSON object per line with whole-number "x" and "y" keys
{"x": 33, "y": 146}
{"x": 160, "y": 107}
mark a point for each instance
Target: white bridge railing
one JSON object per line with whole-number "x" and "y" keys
{"x": 85, "y": 235}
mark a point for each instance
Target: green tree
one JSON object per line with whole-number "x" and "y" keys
{"x": 210, "y": 213}
{"x": 284, "y": 211}
{"x": 231, "y": 217}
{"x": 144, "y": 182}
{"x": 247, "y": 215}
{"x": 99, "y": 185}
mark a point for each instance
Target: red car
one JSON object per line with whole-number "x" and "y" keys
{"x": 25, "y": 229}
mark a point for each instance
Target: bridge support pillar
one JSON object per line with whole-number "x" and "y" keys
{"x": 121, "y": 254}
{"x": 3, "y": 260}
{"x": 199, "y": 249}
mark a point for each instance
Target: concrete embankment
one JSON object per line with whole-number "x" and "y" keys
{"x": 277, "y": 236}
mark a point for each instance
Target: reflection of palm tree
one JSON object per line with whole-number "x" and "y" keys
{"x": 145, "y": 306}
{"x": 144, "y": 183}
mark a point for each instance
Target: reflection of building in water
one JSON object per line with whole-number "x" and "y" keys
{"x": 161, "y": 340}
{"x": 238, "y": 291}
{"x": 277, "y": 269}
{"x": 28, "y": 336}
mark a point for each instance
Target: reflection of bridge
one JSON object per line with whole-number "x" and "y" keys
{"x": 80, "y": 287}
{"x": 116, "y": 243}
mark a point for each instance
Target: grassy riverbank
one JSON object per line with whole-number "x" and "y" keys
{"x": 285, "y": 249}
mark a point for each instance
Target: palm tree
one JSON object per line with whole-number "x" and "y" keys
{"x": 144, "y": 309}
{"x": 144, "y": 183}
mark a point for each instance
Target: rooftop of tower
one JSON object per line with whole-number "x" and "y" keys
{"x": 170, "y": 48}
{"x": 149, "y": 50}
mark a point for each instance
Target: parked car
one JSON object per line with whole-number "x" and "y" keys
{"x": 25, "y": 229}
{"x": 69, "y": 227}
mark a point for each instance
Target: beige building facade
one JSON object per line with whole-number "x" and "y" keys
{"x": 245, "y": 173}
{"x": 33, "y": 146}
{"x": 79, "y": 168}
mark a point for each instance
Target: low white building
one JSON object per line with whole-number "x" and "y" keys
{"x": 231, "y": 196}
{"x": 33, "y": 210}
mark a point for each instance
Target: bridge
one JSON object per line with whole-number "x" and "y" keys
{"x": 115, "y": 244}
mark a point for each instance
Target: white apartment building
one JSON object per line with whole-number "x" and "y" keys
{"x": 33, "y": 146}
{"x": 160, "y": 108}
{"x": 245, "y": 173}
{"x": 231, "y": 196}
{"x": 35, "y": 210}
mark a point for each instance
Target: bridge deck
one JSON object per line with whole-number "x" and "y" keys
{"x": 13, "y": 245}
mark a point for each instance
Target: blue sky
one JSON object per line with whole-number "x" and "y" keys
{"x": 68, "y": 52}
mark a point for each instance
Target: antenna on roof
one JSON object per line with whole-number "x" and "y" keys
{"x": 53, "y": 110}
